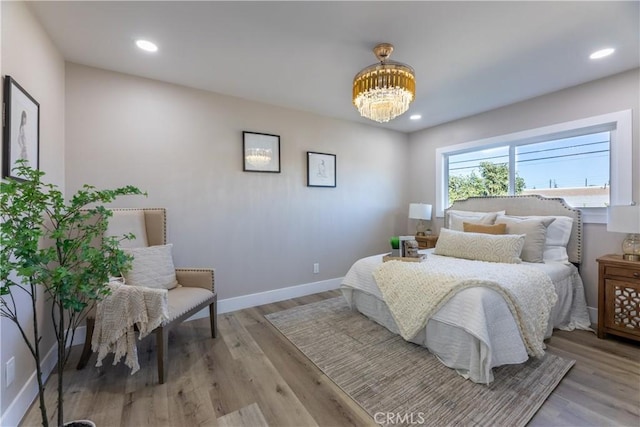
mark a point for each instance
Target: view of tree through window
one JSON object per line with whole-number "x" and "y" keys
{"x": 575, "y": 168}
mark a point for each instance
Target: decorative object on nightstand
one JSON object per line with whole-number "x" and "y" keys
{"x": 395, "y": 246}
{"x": 410, "y": 249}
{"x": 618, "y": 297}
{"x": 421, "y": 212}
{"x": 427, "y": 242}
{"x": 404, "y": 248}
{"x": 626, "y": 219}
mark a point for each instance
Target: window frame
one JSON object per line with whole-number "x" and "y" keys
{"x": 619, "y": 124}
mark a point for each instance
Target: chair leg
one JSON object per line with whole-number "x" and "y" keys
{"x": 86, "y": 350}
{"x": 162, "y": 344}
{"x": 213, "y": 316}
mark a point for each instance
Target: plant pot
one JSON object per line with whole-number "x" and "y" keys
{"x": 80, "y": 423}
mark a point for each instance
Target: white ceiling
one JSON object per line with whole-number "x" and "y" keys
{"x": 469, "y": 57}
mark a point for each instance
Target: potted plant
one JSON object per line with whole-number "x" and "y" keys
{"x": 54, "y": 249}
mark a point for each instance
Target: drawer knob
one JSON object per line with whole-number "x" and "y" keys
{"x": 636, "y": 274}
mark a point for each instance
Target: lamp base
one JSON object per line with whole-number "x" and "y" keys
{"x": 631, "y": 247}
{"x": 420, "y": 233}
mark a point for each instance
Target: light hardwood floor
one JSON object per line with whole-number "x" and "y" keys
{"x": 252, "y": 376}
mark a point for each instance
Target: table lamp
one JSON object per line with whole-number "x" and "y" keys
{"x": 421, "y": 212}
{"x": 626, "y": 219}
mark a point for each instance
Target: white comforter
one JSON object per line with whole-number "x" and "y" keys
{"x": 475, "y": 330}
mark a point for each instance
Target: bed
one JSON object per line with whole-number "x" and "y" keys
{"x": 477, "y": 329}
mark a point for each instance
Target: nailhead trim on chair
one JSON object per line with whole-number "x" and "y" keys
{"x": 208, "y": 270}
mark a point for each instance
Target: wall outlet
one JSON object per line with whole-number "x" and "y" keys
{"x": 10, "y": 372}
{"x": 316, "y": 268}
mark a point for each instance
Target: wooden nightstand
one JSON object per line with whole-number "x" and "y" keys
{"x": 427, "y": 242}
{"x": 618, "y": 297}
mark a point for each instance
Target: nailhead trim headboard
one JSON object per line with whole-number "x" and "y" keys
{"x": 528, "y": 205}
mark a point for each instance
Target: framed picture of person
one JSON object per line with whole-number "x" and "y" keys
{"x": 321, "y": 169}
{"x": 21, "y": 132}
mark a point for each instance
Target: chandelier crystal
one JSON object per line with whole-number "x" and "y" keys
{"x": 383, "y": 91}
{"x": 259, "y": 157}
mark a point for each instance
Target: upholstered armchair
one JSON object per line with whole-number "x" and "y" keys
{"x": 196, "y": 288}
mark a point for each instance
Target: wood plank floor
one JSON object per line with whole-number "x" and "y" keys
{"x": 252, "y": 376}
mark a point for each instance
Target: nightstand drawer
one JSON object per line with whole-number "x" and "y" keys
{"x": 622, "y": 272}
{"x": 427, "y": 242}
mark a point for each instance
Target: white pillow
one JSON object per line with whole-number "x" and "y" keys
{"x": 480, "y": 246}
{"x": 557, "y": 239}
{"x": 128, "y": 221}
{"x": 152, "y": 267}
{"x": 534, "y": 229}
{"x": 457, "y": 218}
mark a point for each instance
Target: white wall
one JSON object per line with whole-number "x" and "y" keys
{"x": 261, "y": 231}
{"x": 29, "y": 56}
{"x": 615, "y": 93}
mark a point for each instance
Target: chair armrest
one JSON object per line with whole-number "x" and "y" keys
{"x": 196, "y": 278}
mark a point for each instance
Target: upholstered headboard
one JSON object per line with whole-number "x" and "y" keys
{"x": 528, "y": 205}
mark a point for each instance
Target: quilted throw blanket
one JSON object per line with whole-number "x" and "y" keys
{"x": 116, "y": 316}
{"x": 415, "y": 291}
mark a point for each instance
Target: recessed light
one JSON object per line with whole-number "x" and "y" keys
{"x": 602, "y": 53}
{"x": 147, "y": 45}
{"x": 415, "y": 117}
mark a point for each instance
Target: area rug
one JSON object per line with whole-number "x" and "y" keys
{"x": 400, "y": 383}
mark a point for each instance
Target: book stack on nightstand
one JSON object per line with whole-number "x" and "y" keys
{"x": 618, "y": 297}
{"x": 427, "y": 242}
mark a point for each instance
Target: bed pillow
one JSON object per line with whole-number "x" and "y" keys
{"x": 457, "y": 218}
{"x": 534, "y": 229}
{"x": 486, "y": 229}
{"x": 152, "y": 267}
{"x": 558, "y": 235}
{"x": 481, "y": 247}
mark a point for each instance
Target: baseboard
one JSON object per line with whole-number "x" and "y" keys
{"x": 246, "y": 301}
{"x": 593, "y": 315}
{"x": 29, "y": 391}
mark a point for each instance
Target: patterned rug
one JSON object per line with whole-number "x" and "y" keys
{"x": 399, "y": 383}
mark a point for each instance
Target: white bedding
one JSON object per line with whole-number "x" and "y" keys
{"x": 475, "y": 330}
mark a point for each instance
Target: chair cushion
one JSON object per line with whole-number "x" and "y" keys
{"x": 180, "y": 301}
{"x": 128, "y": 221}
{"x": 151, "y": 267}
{"x": 183, "y": 299}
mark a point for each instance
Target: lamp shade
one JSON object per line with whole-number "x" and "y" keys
{"x": 623, "y": 219}
{"x": 419, "y": 211}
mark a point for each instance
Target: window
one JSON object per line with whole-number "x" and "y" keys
{"x": 569, "y": 160}
{"x": 575, "y": 168}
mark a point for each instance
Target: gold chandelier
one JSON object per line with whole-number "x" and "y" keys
{"x": 383, "y": 91}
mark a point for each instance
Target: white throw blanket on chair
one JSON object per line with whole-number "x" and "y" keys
{"x": 116, "y": 315}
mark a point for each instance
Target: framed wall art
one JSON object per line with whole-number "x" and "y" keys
{"x": 261, "y": 152}
{"x": 321, "y": 169}
{"x": 21, "y": 133}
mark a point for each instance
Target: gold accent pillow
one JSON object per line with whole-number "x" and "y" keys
{"x": 470, "y": 227}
